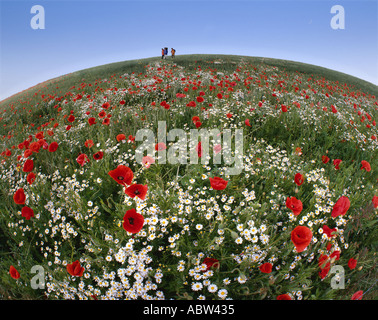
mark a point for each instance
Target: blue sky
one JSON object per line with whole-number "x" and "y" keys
{"x": 83, "y": 34}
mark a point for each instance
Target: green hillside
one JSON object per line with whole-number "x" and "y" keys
{"x": 206, "y": 60}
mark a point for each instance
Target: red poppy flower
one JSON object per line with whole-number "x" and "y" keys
{"x": 229, "y": 115}
{"x": 375, "y": 201}
{"x": 137, "y": 190}
{"x": 160, "y": 146}
{"x": 352, "y": 263}
{"x": 198, "y": 124}
{"x": 92, "y": 121}
{"x": 27, "y": 213}
{"x": 14, "y": 273}
{"x": 323, "y": 273}
{"x": 165, "y": 105}
{"x": 283, "y": 297}
{"x": 336, "y": 163}
{"x": 210, "y": 263}
{"x": 301, "y": 237}
{"x": 39, "y": 135}
{"x": 89, "y": 143}
{"x": 335, "y": 255}
{"x": 334, "y": 110}
{"x": 298, "y": 151}
{"x": 298, "y": 179}
{"x": 324, "y": 262}
{"x": 195, "y": 119}
{"x": 283, "y": 108}
{"x": 122, "y": 175}
{"x": 325, "y": 159}
{"x": 147, "y": 161}
{"x": 102, "y": 114}
{"x": 266, "y": 267}
{"x": 19, "y": 196}
{"x": 341, "y": 207}
{"x": 294, "y": 205}
{"x": 30, "y": 178}
{"x": 53, "y": 146}
{"x": 35, "y": 146}
{"x": 71, "y": 118}
{"x": 328, "y": 231}
{"x": 82, "y": 159}
{"x": 28, "y": 165}
{"x": 217, "y": 148}
{"x": 324, "y": 267}
{"x": 133, "y": 221}
{"x": 106, "y": 121}
{"x": 200, "y": 99}
{"x": 357, "y": 295}
{"x": 106, "y": 105}
{"x": 98, "y": 155}
{"x": 8, "y": 153}
{"x": 247, "y": 123}
{"x": 218, "y": 183}
{"x": 45, "y": 145}
{"x": 199, "y": 149}
{"x": 75, "y": 269}
{"x": 219, "y": 96}
{"x": 121, "y": 137}
{"x": 27, "y": 153}
{"x": 365, "y": 165}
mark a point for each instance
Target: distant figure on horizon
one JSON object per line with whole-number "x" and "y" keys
{"x": 162, "y": 53}
{"x": 173, "y": 52}
{"x": 165, "y": 51}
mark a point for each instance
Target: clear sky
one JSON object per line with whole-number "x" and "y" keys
{"x": 83, "y": 34}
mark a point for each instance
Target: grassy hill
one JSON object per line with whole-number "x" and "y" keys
{"x": 206, "y": 60}
{"x": 103, "y": 222}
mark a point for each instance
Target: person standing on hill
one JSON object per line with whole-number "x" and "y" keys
{"x": 162, "y": 53}
{"x": 173, "y": 52}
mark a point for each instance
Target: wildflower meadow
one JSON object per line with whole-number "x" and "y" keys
{"x": 92, "y": 209}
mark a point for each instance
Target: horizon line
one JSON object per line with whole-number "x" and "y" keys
{"x": 189, "y": 54}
